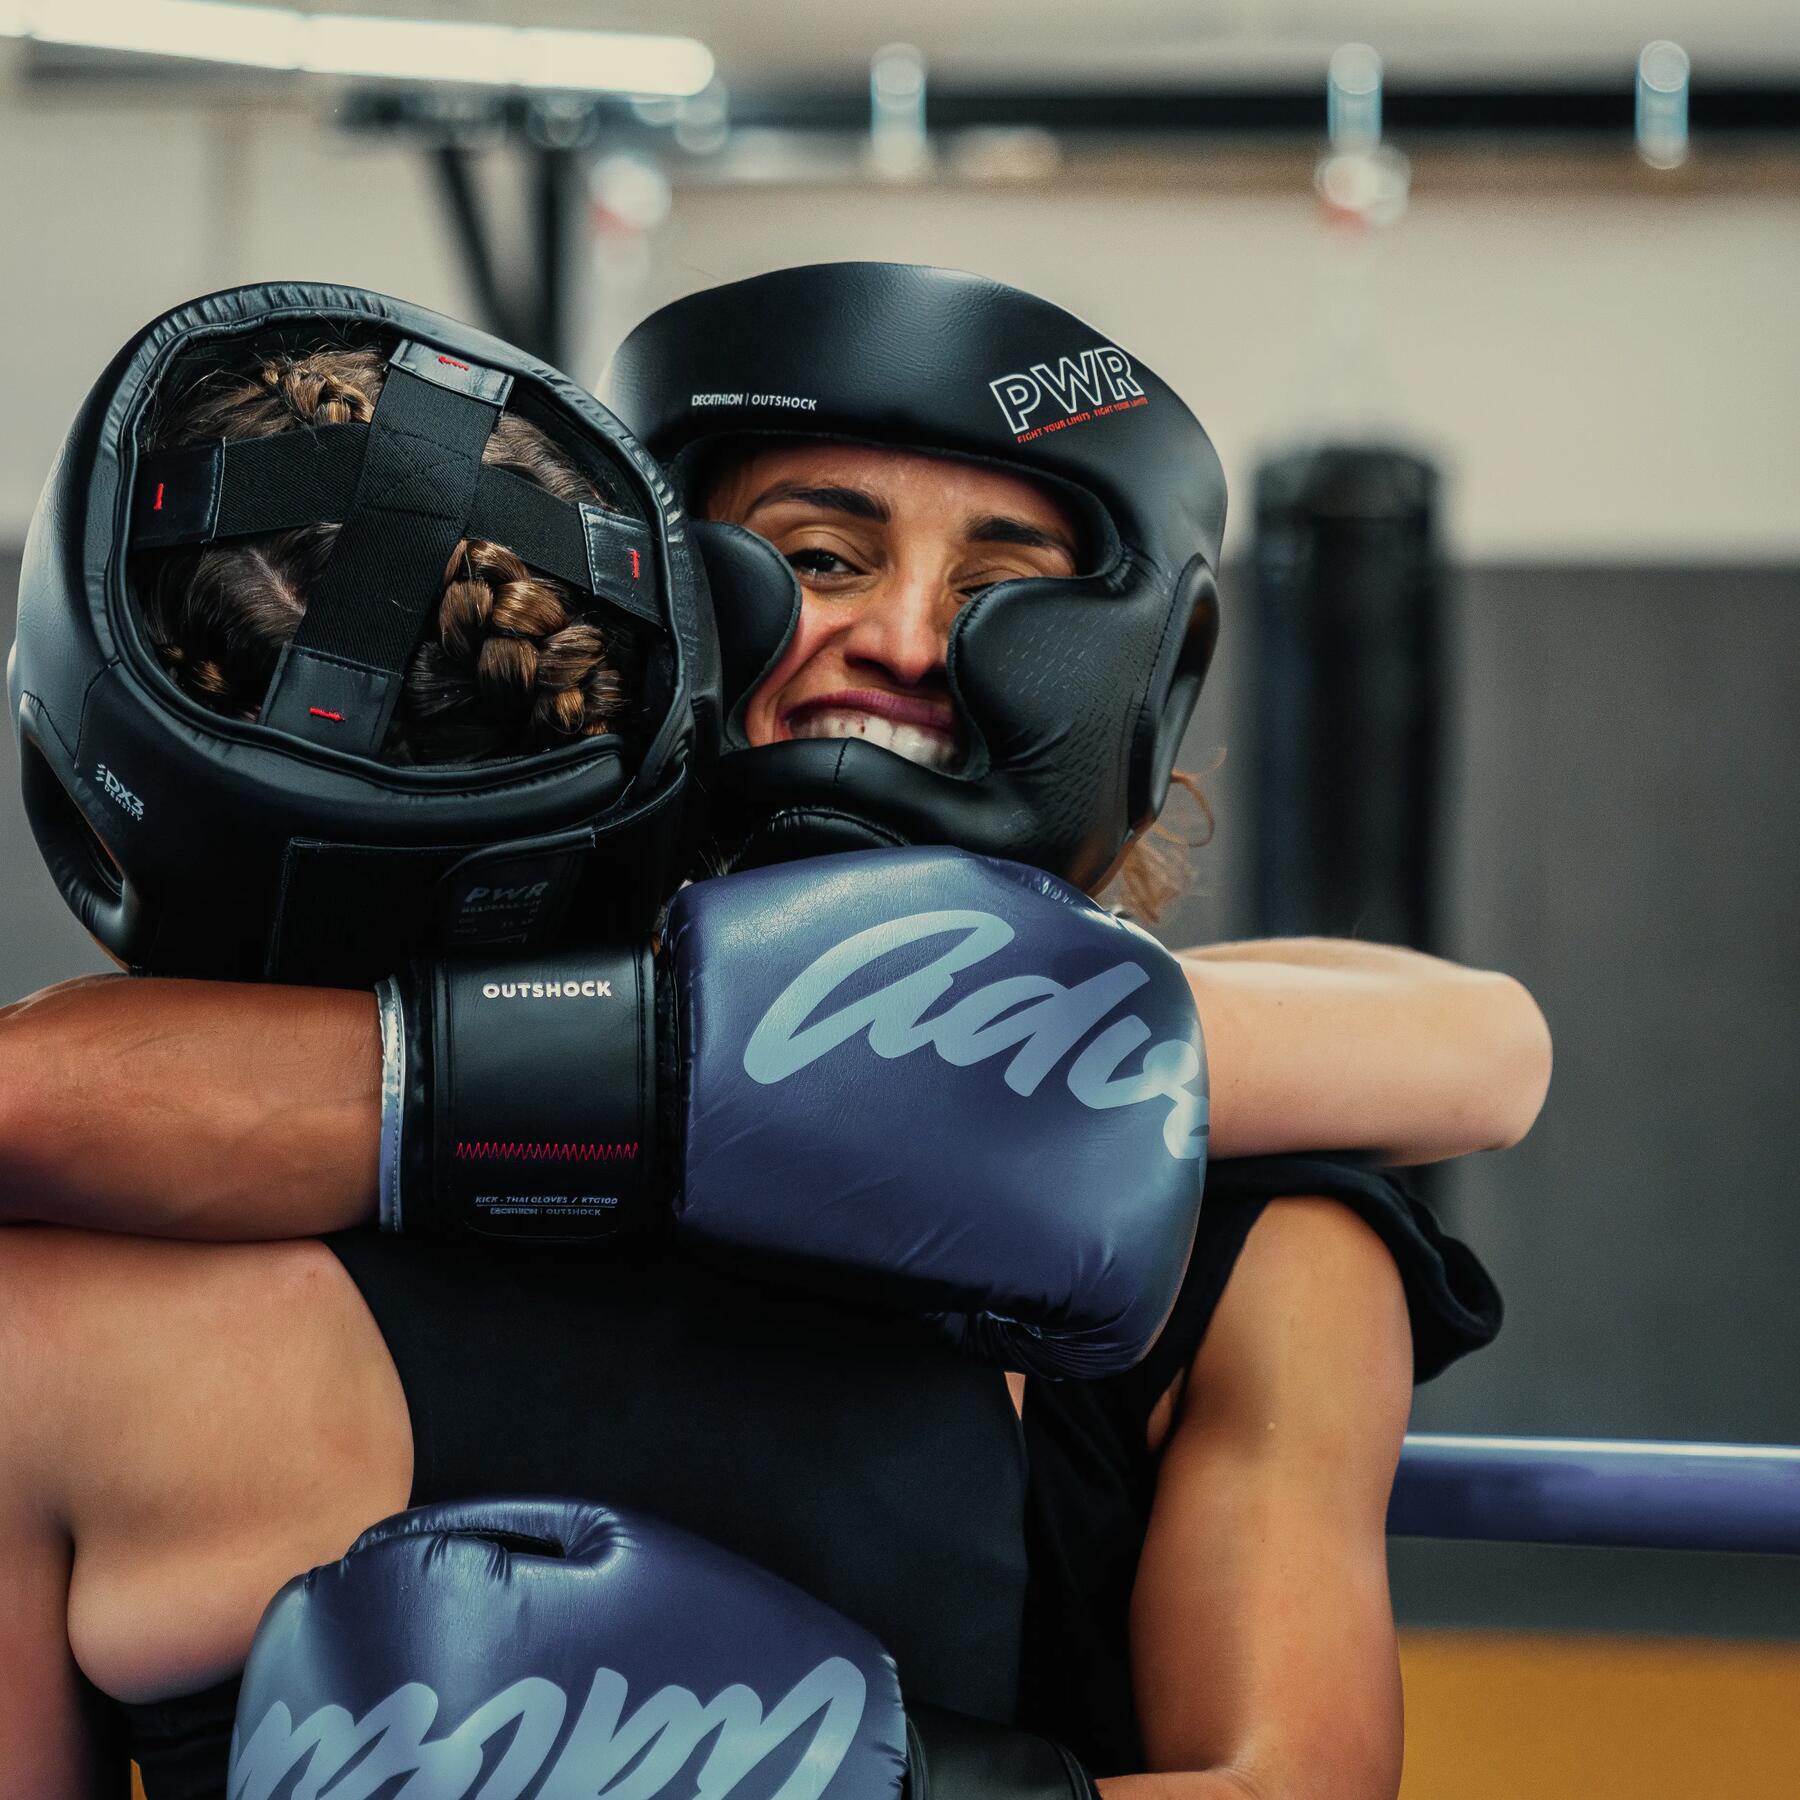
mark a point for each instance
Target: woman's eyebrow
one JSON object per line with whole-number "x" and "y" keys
{"x": 997, "y": 528}
{"x": 858, "y": 502}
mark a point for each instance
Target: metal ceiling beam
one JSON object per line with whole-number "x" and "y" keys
{"x": 1594, "y": 114}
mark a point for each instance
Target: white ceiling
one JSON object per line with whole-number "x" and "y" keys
{"x": 1150, "y": 42}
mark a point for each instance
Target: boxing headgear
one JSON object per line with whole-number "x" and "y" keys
{"x": 190, "y": 843}
{"x": 1071, "y": 695}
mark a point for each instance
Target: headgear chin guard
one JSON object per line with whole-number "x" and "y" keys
{"x": 1071, "y": 695}
{"x": 191, "y": 844}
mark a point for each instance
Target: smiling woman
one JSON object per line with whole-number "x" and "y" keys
{"x": 976, "y": 523}
{"x": 888, "y": 546}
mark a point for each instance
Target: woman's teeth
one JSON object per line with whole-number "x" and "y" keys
{"x": 917, "y": 743}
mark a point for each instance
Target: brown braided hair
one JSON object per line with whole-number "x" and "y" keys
{"x": 515, "y": 664}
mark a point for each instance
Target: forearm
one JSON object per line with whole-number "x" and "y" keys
{"x": 1319, "y": 1044}
{"x": 208, "y": 1110}
{"x": 1330, "y": 953}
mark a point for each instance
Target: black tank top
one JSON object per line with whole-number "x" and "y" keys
{"x": 764, "y": 1421}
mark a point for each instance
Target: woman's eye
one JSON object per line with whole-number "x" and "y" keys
{"x": 973, "y": 586}
{"x": 814, "y": 561}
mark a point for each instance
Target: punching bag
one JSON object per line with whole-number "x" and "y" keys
{"x": 1349, "y": 588}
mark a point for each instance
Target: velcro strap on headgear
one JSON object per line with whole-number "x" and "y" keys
{"x": 338, "y": 681}
{"x": 209, "y": 493}
{"x": 404, "y": 489}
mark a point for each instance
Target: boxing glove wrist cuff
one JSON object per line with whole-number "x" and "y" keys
{"x": 528, "y": 1097}
{"x": 950, "y": 1756}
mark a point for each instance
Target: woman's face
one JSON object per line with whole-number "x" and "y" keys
{"x": 888, "y": 545}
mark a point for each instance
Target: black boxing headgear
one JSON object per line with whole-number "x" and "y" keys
{"x": 1071, "y": 695}
{"x": 192, "y": 844}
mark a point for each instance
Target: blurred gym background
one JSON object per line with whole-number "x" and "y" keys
{"x": 1493, "y": 315}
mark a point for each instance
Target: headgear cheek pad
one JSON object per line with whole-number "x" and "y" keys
{"x": 1071, "y": 695}
{"x": 190, "y": 843}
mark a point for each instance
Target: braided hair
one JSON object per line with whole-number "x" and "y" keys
{"x": 516, "y": 663}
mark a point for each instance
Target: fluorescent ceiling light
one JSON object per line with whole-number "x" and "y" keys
{"x": 415, "y": 49}
{"x": 271, "y": 37}
{"x": 255, "y": 36}
{"x": 612, "y": 62}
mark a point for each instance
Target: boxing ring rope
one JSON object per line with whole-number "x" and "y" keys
{"x": 1596, "y": 1491}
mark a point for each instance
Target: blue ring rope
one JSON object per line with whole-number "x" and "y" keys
{"x": 1661, "y": 1496}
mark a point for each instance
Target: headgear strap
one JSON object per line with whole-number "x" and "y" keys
{"x": 405, "y": 489}
{"x": 338, "y": 681}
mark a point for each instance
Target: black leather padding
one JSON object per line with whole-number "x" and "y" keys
{"x": 174, "y": 832}
{"x": 764, "y": 601}
{"x": 1070, "y": 695}
{"x": 897, "y": 353}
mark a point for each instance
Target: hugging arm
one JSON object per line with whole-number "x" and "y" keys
{"x": 1263, "y": 1645}
{"x": 218, "y": 1110}
{"x": 190, "y": 1109}
{"x": 1327, "y": 1043}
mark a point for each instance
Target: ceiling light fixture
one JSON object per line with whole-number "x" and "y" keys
{"x": 367, "y": 47}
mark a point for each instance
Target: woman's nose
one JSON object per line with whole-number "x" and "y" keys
{"x": 903, "y": 628}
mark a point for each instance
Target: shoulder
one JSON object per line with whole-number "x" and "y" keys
{"x": 202, "y": 1420}
{"x": 1314, "y": 1302}
{"x": 1450, "y": 1300}
{"x": 129, "y": 1361}
{"x": 1312, "y": 1326}
{"x": 66, "y": 1280}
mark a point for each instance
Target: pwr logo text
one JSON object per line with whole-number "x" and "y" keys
{"x": 1078, "y": 388}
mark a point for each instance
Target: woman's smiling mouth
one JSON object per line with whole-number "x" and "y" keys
{"x": 921, "y": 731}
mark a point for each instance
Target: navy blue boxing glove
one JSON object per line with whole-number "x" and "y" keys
{"x": 939, "y": 1081}
{"x": 559, "y": 1650}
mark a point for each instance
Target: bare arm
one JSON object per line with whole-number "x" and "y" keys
{"x": 1263, "y": 1648}
{"x": 192, "y": 1109}
{"x": 220, "y": 1110}
{"x": 1323, "y": 1043}
{"x": 53, "y": 1740}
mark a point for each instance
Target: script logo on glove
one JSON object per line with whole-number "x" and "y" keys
{"x": 1041, "y": 1017}
{"x": 655, "y": 1743}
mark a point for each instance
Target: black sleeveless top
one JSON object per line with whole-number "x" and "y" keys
{"x": 994, "y": 1559}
